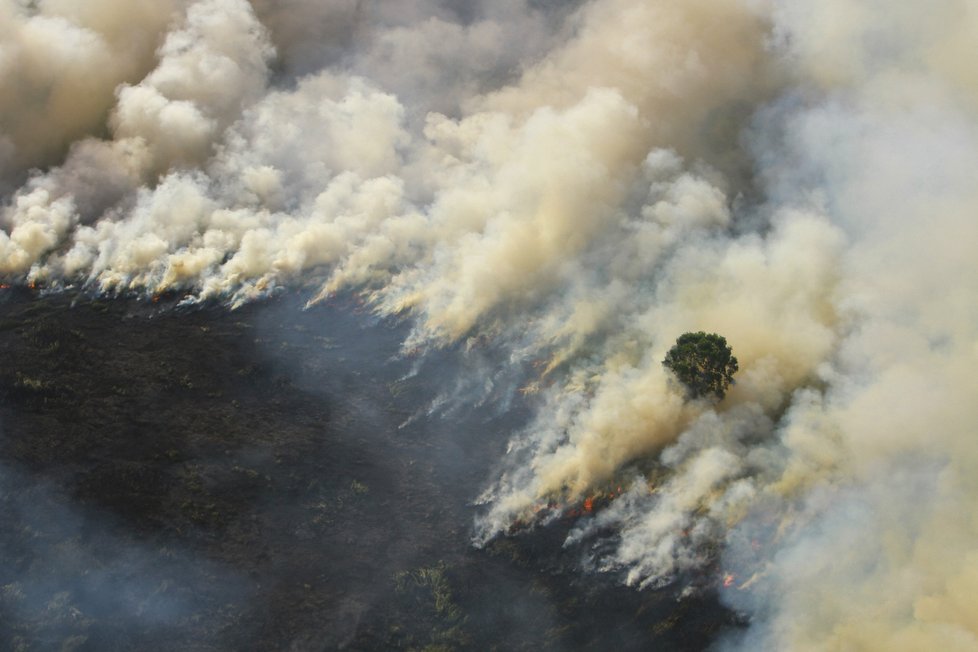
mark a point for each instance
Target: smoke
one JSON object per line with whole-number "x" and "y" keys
{"x": 580, "y": 183}
{"x": 73, "y": 576}
{"x": 61, "y": 64}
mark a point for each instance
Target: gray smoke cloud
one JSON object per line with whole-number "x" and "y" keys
{"x": 580, "y": 182}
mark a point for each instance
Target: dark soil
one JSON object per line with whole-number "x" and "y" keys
{"x": 197, "y": 478}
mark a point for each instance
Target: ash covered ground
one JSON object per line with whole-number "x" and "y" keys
{"x": 272, "y": 478}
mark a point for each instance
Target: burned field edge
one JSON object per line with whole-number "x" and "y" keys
{"x": 194, "y": 478}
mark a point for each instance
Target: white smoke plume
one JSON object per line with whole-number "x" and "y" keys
{"x": 61, "y": 63}
{"x": 581, "y": 182}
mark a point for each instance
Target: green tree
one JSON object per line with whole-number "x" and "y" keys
{"x": 703, "y": 363}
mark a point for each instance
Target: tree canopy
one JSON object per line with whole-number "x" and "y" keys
{"x": 703, "y": 362}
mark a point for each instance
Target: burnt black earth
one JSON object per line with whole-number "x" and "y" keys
{"x": 190, "y": 477}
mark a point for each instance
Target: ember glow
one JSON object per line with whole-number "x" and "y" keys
{"x": 572, "y": 185}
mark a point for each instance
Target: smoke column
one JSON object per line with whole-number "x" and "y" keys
{"x": 580, "y": 182}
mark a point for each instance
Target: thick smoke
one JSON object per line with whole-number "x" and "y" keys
{"x": 580, "y": 182}
{"x": 61, "y": 65}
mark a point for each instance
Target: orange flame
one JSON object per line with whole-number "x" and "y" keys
{"x": 728, "y": 580}
{"x": 589, "y": 504}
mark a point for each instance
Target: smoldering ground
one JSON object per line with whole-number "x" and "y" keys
{"x": 194, "y": 478}
{"x": 576, "y": 184}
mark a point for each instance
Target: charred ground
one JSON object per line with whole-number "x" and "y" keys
{"x": 194, "y": 478}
